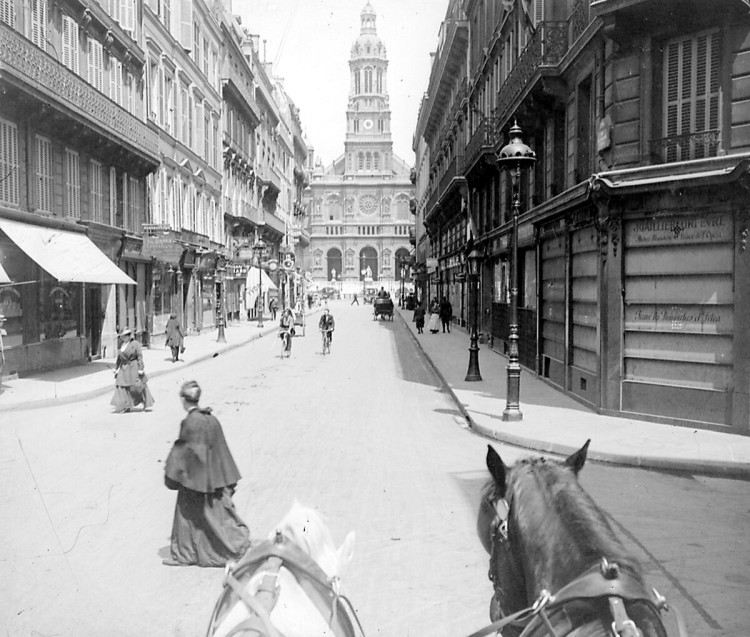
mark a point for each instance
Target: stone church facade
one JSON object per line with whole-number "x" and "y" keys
{"x": 360, "y": 221}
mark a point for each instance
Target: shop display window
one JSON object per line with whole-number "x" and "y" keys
{"x": 59, "y": 309}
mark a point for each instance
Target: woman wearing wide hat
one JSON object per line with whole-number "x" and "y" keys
{"x": 131, "y": 388}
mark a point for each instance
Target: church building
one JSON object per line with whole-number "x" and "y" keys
{"x": 360, "y": 219}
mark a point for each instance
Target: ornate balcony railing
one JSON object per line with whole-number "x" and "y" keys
{"x": 448, "y": 176}
{"x": 484, "y": 140}
{"x": 59, "y": 85}
{"x": 579, "y": 19}
{"x": 547, "y": 47}
{"x": 698, "y": 145}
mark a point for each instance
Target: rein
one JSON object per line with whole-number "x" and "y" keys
{"x": 603, "y": 580}
{"x": 322, "y": 590}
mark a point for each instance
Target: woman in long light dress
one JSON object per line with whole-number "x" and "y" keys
{"x": 434, "y": 324}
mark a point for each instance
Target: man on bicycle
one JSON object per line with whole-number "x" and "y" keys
{"x": 327, "y": 324}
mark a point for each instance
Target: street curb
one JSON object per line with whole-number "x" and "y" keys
{"x": 93, "y": 393}
{"x": 712, "y": 468}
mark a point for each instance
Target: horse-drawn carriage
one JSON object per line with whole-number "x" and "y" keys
{"x": 383, "y": 308}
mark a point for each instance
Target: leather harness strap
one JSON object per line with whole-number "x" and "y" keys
{"x": 261, "y": 603}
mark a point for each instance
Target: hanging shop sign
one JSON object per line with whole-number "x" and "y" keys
{"x": 162, "y": 248}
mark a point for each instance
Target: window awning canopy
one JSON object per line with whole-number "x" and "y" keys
{"x": 4, "y": 278}
{"x": 70, "y": 257}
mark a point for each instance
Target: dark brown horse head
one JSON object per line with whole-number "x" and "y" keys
{"x": 543, "y": 531}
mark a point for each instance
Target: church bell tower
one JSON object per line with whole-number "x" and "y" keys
{"x": 368, "y": 147}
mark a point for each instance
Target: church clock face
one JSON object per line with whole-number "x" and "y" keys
{"x": 367, "y": 124}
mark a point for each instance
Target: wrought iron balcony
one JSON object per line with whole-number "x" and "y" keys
{"x": 547, "y": 47}
{"x": 698, "y": 145}
{"x": 483, "y": 141}
{"x": 43, "y": 75}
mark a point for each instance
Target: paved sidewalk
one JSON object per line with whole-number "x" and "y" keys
{"x": 555, "y": 423}
{"x": 80, "y": 382}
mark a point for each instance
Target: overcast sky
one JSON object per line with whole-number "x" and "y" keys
{"x": 309, "y": 42}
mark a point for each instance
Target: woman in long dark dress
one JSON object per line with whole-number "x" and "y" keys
{"x": 207, "y": 530}
{"x": 175, "y": 337}
{"x": 131, "y": 388}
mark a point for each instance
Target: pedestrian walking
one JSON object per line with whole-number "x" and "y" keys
{"x": 273, "y": 306}
{"x": 175, "y": 337}
{"x": 355, "y": 300}
{"x": 207, "y": 530}
{"x": 434, "y": 324}
{"x": 446, "y": 314}
{"x": 419, "y": 318}
{"x": 131, "y": 383}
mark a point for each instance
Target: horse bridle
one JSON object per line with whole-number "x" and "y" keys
{"x": 536, "y": 620}
{"x": 262, "y": 603}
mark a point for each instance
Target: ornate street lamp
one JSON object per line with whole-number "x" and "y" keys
{"x": 221, "y": 270}
{"x": 259, "y": 250}
{"x": 474, "y": 260}
{"x": 514, "y": 156}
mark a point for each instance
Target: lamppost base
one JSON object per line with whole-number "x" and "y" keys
{"x": 221, "y": 338}
{"x": 512, "y": 415}
{"x": 473, "y": 373}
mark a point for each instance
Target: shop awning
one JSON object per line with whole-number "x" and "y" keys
{"x": 70, "y": 257}
{"x": 4, "y": 278}
{"x": 253, "y": 281}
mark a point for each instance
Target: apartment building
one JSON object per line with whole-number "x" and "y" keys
{"x": 140, "y": 154}
{"x": 75, "y": 156}
{"x": 632, "y": 234}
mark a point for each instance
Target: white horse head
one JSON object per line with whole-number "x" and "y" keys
{"x": 295, "y": 614}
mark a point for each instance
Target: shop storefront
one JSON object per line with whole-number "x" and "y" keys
{"x": 58, "y": 280}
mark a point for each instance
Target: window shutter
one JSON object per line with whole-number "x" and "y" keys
{"x": 127, "y": 15}
{"x": 95, "y": 63}
{"x": 43, "y": 174}
{"x": 70, "y": 43}
{"x": 39, "y": 23}
{"x": 8, "y": 162}
{"x": 199, "y": 129}
{"x": 186, "y": 24}
{"x": 8, "y": 12}
{"x": 692, "y": 94}
{"x": 112, "y": 196}
{"x": 538, "y": 11}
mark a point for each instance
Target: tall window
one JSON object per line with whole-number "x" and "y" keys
{"x": 357, "y": 82}
{"x": 70, "y": 43}
{"x": 368, "y": 80}
{"x": 134, "y": 204}
{"x": 692, "y": 94}
{"x": 8, "y": 162}
{"x": 197, "y": 44}
{"x": 207, "y": 137}
{"x": 8, "y": 12}
{"x": 115, "y": 79}
{"x": 96, "y": 64}
{"x": 380, "y": 80}
{"x": 170, "y": 112}
{"x": 165, "y": 13}
{"x": 113, "y": 201}
{"x": 96, "y": 190}
{"x": 39, "y": 23}
{"x": 199, "y": 122}
{"x": 184, "y": 113}
{"x": 43, "y": 174}
{"x": 72, "y": 184}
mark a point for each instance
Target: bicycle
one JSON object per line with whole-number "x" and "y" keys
{"x": 326, "y": 341}
{"x": 286, "y": 343}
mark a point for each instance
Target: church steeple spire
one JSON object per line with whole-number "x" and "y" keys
{"x": 368, "y": 145}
